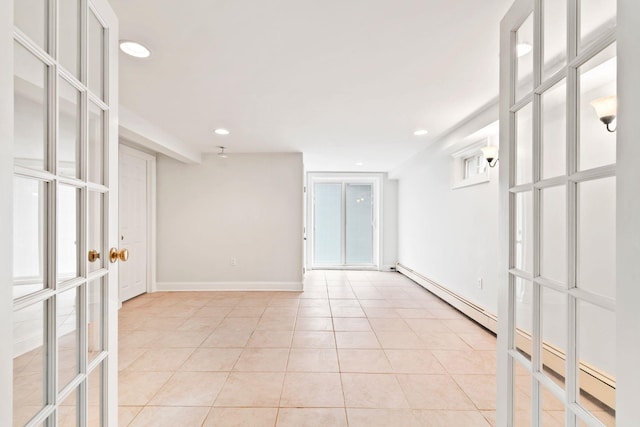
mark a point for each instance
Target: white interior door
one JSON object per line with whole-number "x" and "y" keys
{"x": 133, "y": 222}
{"x": 58, "y": 358}
{"x": 558, "y": 326}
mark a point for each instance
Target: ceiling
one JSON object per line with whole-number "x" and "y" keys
{"x": 343, "y": 81}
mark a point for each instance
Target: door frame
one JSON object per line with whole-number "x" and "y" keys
{"x": 150, "y": 159}
{"x": 376, "y": 179}
{"x": 6, "y": 211}
{"x": 627, "y": 214}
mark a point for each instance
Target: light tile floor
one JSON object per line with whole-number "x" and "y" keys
{"x": 356, "y": 348}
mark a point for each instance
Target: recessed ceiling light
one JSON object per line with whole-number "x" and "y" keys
{"x": 421, "y": 132}
{"x": 221, "y": 131}
{"x": 134, "y": 49}
{"x": 522, "y": 49}
{"x": 359, "y": 164}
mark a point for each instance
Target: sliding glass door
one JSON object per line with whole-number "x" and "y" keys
{"x": 358, "y": 224}
{"x": 343, "y": 224}
{"x": 328, "y": 228}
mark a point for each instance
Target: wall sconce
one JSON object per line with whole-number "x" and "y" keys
{"x": 490, "y": 153}
{"x": 606, "y": 109}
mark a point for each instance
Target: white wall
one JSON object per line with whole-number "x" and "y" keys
{"x": 450, "y": 235}
{"x": 247, "y": 207}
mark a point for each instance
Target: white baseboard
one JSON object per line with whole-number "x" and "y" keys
{"x": 477, "y": 313}
{"x": 595, "y": 382}
{"x": 228, "y": 286}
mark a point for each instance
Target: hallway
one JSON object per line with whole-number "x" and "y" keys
{"x": 356, "y": 348}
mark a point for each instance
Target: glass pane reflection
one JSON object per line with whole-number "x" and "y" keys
{"x": 29, "y": 353}
{"x": 68, "y": 232}
{"x": 29, "y": 236}
{"x": 30, "y": 99}
{"x": 68, "y": 336}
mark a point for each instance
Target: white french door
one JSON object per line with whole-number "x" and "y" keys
{"x": 62, "y": 151}
{"x": 557, "y": 361}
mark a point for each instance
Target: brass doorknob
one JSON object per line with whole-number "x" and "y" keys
{"x": 115, "y": 255}
{"x": 93, "y": 255}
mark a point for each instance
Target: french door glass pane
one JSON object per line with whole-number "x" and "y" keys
{"x": 553, "y": 409}
{"x": 67, "y": 323}
{"x": 596, "y": 16}
{"x": 555, "y": 36}
{"x": 554, "y": 131}
{"x": 68, "y": 232}
{"x": 328, "y": 223}
{"x": 553, "y": 236}
{"x": 94, "y": 416}
{"x": 524, "y": 58}
{"x": 29, "y": 361}
{"x": 68, "y": 413}
{"x": 554, "y": 333}
{"x": 96, "y": 143}
{"x": 69, "y": 35}
{"x": 523, "y": 306}
{"x": 596, "y": 350}
{"x": 524, "y": 145}
{"x": 597, "y": 146}
{"x": 522, "y": 399}
{"x": 29, "y": 236}
{"x": 68, "y": 129}
{"x": 523, "y": 233}
{"x": 30, "y": 109}
{"x": 597, "y": 236}
{"x": 31, "y": 17}
{"x": 96, "y": 227}
{"x": 359, "y": 224}
{"x": 95, "y": 315}
{"x": 96, "y": 56}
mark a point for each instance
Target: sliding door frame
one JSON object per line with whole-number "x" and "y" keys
{"x": 375, "y": 180}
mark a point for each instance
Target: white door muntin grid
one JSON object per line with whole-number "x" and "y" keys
{"x": 577, "y": 54}
{"x": 89, "y": 288}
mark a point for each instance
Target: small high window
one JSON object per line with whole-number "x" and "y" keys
{"x": 470, "y": 166}
{"x": 474, "y": 165}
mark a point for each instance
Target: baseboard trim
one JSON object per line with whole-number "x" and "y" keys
{"x": 477, "y": 313}
{"x": 595, "y": 382}
{"x": 228, "y": 286}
